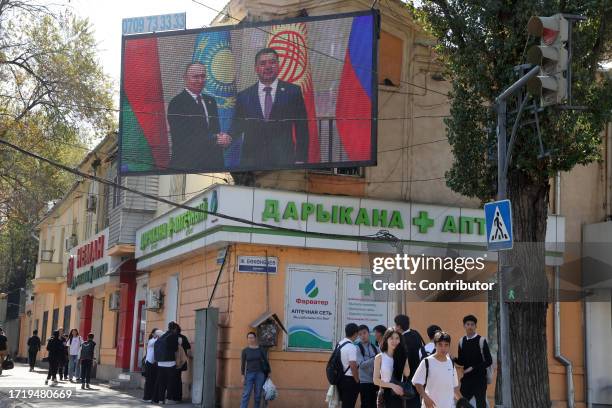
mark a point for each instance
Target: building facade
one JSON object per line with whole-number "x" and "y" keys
{"x": 159, "y": 263}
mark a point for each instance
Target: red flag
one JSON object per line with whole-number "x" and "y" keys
{"x": 290, "y": 42}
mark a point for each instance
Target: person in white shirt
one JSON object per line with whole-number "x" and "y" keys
{"x": 349, "y": 385}
{"x": 74, "y": 346}
{"x": 150, "y": 367}
{"x": 436, "y": 377}
{"x": 390, "y": 368}
{"x": 428, "y": 349}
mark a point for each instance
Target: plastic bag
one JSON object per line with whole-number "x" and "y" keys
{"x": 269, "y": 389}
{"x": 333, "y": 397}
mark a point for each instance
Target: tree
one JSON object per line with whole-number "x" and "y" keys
{"x": 479, "y": 43}
{"x": 54, "y": 97}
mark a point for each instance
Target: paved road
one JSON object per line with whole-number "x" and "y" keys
{"x": 99, "y": 396}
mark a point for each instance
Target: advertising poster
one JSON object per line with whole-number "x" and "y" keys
{"x": 364, "y": 305}
{"x": 311, "y": 310}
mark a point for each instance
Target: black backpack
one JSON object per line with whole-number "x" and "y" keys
{"x": 425, "y": 354}
{"x": 335, "y": 370}
{"x": 160, "y": 347}
{"x": 362, "y": 349}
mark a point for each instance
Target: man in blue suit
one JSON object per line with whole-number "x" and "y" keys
{"x": 271, "y": 117}
{"x": 197, "y": 142}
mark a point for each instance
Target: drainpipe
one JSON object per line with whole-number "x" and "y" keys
{"x": 569, "y": 375}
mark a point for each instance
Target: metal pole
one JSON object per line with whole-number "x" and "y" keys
{"x": 502, "y": 193}
{"x": 504, "y": 347}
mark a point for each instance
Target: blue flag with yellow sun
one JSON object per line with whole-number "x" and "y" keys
{"x": 213, "y": 50}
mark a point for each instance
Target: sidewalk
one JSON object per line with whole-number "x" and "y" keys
{"x": 99, "y": 396}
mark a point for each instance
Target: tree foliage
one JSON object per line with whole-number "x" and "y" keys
{"x": 54, "y": 98}
{"x": 480, "y": 41}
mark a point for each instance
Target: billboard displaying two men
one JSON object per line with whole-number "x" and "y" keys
{"x": 294, "y": 94}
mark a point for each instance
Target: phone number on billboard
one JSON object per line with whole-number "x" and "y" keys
{"x": 154, "y": 23}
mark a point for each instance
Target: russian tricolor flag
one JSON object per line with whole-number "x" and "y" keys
{"x": 354, "y": 103}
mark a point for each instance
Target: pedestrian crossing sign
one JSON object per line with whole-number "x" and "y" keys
{"x": 498, "y": 218}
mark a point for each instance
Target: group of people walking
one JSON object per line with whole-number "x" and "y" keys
{"x": 68, "y": 355}
{"x": 165, "y": 360}
{"x": 400, "y": 370}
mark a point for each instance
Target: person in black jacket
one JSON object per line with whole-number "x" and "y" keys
{"x": 412, "y": 344}
{"x": 3, "y": 348}
{"x": 184, "y": 341}
{"x": 475, "y": 357}
{"x": 33, "y": 349}
{"x": 271, "y": 117}
{"x": 165, "y": 354}
{"x": 197, "y": 143}
{"x": 55, "y": 348}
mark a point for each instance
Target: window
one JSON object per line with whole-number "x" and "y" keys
{"x": 178, "y": 184}
{"x": 61, "y": 243}
{"x": 55, "y": 319}
{"x": 391, "y": 56}
{"x": 343, "y": 171}
{"x": 43, "y": 335}
{"x": 67, "y": 313}
{"x": 116, "y": 329}
{"x": 116, "y": 192}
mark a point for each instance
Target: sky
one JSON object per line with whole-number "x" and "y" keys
{"x": 106, "y": 16}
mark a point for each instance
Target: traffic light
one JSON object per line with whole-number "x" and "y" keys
{"x": 550, "y": 85}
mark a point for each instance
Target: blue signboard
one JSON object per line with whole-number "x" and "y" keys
{"x": 498, "y": 218}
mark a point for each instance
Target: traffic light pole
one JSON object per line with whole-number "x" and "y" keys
{"x": 502, "y": 192}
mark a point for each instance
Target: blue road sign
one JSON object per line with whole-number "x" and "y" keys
{"x": 498, "y": 217}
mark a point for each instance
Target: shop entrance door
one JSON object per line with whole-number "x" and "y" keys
{"x": 97, "y": 316}
{"x": 141, "y": 336}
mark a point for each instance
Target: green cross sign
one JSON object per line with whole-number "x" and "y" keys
{"x": 423, "y": 222}
{"x": 366, "y": 287}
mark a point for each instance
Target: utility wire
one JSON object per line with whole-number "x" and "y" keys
{"x": 313, "y": 49}
{"x": 378, "y": 236}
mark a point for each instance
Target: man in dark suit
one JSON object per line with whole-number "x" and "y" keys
{"x": 197, "y": 142}
{"x": 271, "y": 117}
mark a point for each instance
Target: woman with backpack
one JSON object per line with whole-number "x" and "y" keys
{"x": 149, "y": 367}
{"x": 74, "y": 346}
{"x": 390, "y": 368}
{"x": 255, "y": 368}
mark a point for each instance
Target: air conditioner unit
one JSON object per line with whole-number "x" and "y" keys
{"x": 154, "y": 299}
{"x": 71, "y": 242}
{"x": 91, "y": 203}
{"x": 114, "y": 300}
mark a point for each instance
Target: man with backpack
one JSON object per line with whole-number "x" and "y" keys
{"x": 429, "y": 349}
{"x": 366, "y": 351}
{"x": 436, "y": 377}
{"x": 87, "y": 358}
{"x": 342, "y": 370}
{"x": 165, "y": 349}
{"x": 475, "y": 357}
{"x": 412, "y": 343}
